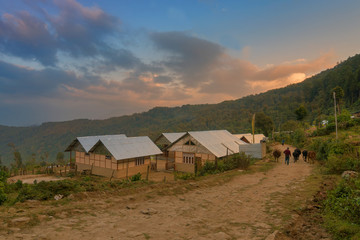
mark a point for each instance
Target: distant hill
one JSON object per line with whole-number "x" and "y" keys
{"x": 314, "y": 93}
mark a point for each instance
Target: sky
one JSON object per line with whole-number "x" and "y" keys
{"x": 69, "y": 59}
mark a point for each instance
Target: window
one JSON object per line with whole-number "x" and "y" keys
{"x": 188, "y": 158}
{"x": 139, "y": 161}
{"x": 108, "y": 157}
{"x": 87, "y": 154}
{"x": 190, "y": 143}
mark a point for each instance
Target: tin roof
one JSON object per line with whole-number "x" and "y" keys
{"x": 218, "y": 142}
{"x": 88, "y": 142}
{"x": 249, "y": 137}
{"x": 172, "y": 137}
{"x": 131, "y": 147}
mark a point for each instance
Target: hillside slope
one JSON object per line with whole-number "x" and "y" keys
{"x": 314, "y": 93}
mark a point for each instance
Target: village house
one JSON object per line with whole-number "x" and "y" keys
{"x": 166, "y": 161}
{"x": 255, "y": 149}
{"x": 113, "y": 155}
{"x": 200, "y": 146}
{"x": 165, "y": 139}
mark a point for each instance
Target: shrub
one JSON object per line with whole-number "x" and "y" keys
{"x": 342, "y": 209}
{"x": 299, "y": 138}
{"x": 184, "y": 176}
{"x": 18, "y": 185}
{"x": 136, "y": 177}
{"x": 321, "y": 132}
{"x": 3, "y": 176}
{"x": 340, "y": 163}
{"x": 238, "y": 160}
{"x": 3, "y": 196}
{"x": 47, "y": 190}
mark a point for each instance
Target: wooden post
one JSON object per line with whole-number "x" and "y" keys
{"x": 112, "y": 175}
{"x": 75, "y": 170}
{"x": 92, "y": 165}
{"x": 147, "y": 173}
{"x": 70, "y": 159}
{"x": 156, "y": 162}
{"x": 127, "y": 169}
{"x": 65, "y": 170}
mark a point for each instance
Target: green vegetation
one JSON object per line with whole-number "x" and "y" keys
{"x": 342, "y": 210}
{"x": 239, "y": 160}
{"x": 3, "y": 178}
{"x": 20, "y": 192}
{"x": 342, "y": 206}
{"x": 136, "y": 177}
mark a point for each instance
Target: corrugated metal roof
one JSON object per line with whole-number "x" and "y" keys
{"x": 131, "y": 147}
{"x": 88, "y": 142}
{"x": 172, "y": 137}
{"x": 218, "y": 141}
{"x": 249, "y": 137}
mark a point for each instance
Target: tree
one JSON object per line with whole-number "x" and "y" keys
{"x": 17, "y": 156}
{"x": 301, "y": 113}
{"x": 290, "y": 125}
{"x": 31, "y": 162}
{"x": 339, "y": 94}
{"x": 264, "y": 122}
{"x": 60, "y": 158}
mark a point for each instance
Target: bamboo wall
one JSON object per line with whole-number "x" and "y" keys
{"x": 187, "y": 167}
{"x": 105, "y": 167}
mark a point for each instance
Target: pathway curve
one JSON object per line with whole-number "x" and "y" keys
{"x": 247, "y": 207}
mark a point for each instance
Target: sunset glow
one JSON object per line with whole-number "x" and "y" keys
{"x": 68, "y": 59}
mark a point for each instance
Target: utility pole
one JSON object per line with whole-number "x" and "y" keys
{"x": 335, "y": 115}
{"x": 253, "y": 128}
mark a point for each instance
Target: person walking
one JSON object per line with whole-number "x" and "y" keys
{"x": 287, "y": 156}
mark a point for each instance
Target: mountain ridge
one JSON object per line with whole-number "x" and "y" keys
{"x": 234, "y": 115}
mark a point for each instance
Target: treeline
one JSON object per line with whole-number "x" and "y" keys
{"x": 314, "y": 94}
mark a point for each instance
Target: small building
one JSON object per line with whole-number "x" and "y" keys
{"x": 166, "y": 161}
{"x": 249, "y": 138}
{"x": 200, "y": 146}
{"x": 257, "y": 148}
{"x": 165, "y": 139}
{"x": 81, "y": 145}
{"x": 356, "y": 114}
{"x": 113, "y": 155}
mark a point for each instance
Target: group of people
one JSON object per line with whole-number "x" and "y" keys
{"x": 297, "y": 152}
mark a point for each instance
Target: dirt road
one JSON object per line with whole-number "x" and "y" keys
{"x": 250, "y": 206}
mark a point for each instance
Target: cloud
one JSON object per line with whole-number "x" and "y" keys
{"x": 22, "y": 81}
{"x": 189, "y": 57}
{"x": 85, "y": 73}
{"x": 28, "y": 37}
{"x": 82, "y": 30}
{"x": 76, "y": 30}
{"x": 207, "y": 67}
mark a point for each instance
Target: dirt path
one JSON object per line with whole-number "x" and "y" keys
{"x": 29, "y": 179}
{"x": 250, "y": 206}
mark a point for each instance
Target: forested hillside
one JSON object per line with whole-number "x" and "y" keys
{"x": 315, "y": 94}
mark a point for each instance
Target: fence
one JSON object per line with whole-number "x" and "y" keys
{"x": 52, "y": 169}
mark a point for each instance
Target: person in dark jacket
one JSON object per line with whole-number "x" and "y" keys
{"x": 287, "y": 156}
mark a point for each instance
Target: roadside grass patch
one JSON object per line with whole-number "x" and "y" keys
{"x": 342, "y": 210}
